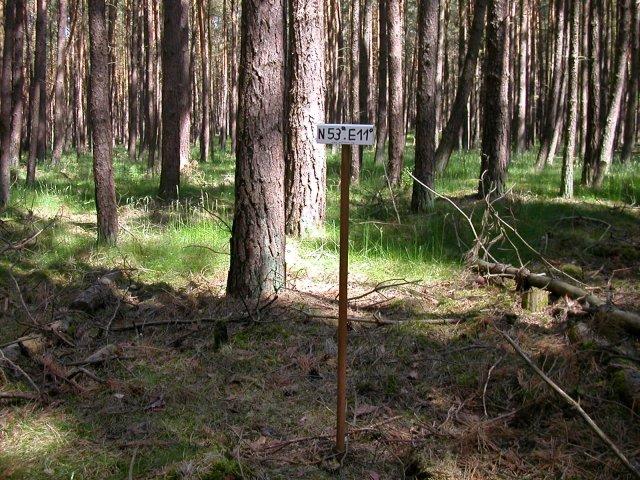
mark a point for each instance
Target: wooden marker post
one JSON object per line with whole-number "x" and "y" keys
{"x": 345, "y": 135}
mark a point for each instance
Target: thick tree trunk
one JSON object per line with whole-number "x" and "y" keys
{"x": 566, "y": 187}
{"x": 633, "y": 89}
{"x": 305, "y": 176}
{"x": 258, "y": 236}
{"x": 465, "y": 85}
{"x": 424, "y": 168}
{"x": 233, "y": 76}
{"x": 617, "y": 85}
{"x": 205, "y": 128}
{"x": 100, "y": 112}
{"x": 496, "y": 122}
{"x": 547, "y": 152}
{"x": 176, "y": 96}
{"x": 383, "y": 91}
{"x": 59, "y": 109}
{"x": 396, "y": 117}
{"x": 354, "y": 86}
{"x": 38, "y": 94}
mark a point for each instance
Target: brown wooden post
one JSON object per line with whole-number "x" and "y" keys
{"x": 345, "y": 179}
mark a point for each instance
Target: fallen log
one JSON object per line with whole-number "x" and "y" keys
{"x": 97, "y": 295}
{"x": 628, "y": 320}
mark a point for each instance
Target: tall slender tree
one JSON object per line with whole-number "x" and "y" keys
{"x": 617, "y": 85}
{"x": 383, "y": 91}
{"x": 100, "y": 114}
{"x": 566, "y": 187}
{"x": 424, "y": 168}
{"x": 60, "y": 102}
{"x": 465, "y": 85}
{"x": 258, "y": 234}
{"x": 593, "y": 132}
{"x": 305, "y": 175}
{"x": 151, "y": 82}
{"x": 496, "y": 120}
{"x": 354, "y": 85}
{"x": 205, "y": 128}
{"x": 38, "y": 92}
{"x": 633, "y": 89}
{"x": 176, "y": 95}
{"x": 395, "y": 19}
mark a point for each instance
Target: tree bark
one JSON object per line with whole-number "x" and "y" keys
{"x": 547, "y": 152}
{"x": 566, "y": 187}
{"x": 100, "y": 112}
{"x": 11, "y": 137}
{"x": 521, "y": 110}
{"x": 305, "y": 175}
{"x": 151, "y": 84}
{"x": 133, "y": 93}
{"x": 633, "y": 89}
{"x": 365, "y": 65}
{"x": 354, "y": 86}
{"x": 593, "y": 87}
{"x": 176, "y": 96}
{"x": 465, "y": 85}
{"x": 59, "y": 109}
{"x": 38, "y": 91}
{"x": 6, "y": 89}
{"x": 396, "y": 117}
{"x": 233, "y": 74}
{"x": 258, "y": 234}
{"x": 496, "y": 121}
{"x": 424, "y": 167}
{"x": 383, "y": 91}
{"x": 205, "y": 128}
{"x": 617, "y": 85}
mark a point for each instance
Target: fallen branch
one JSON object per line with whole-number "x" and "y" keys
{"x": 19, "y": 396}
{"x": 630, "y": 321}
{"x": 575, "y": 405}
{"x": 383, "y": 286}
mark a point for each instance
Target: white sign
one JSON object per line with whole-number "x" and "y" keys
{"x": 346, "y": 134}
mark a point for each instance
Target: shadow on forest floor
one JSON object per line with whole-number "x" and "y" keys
{"x": 434, "y": 390}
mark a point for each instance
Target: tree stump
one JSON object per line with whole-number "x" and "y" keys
{"x": 535, "y": 299}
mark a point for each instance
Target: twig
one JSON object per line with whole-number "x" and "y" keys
{"x": 20, "y": 370}
{"x": 24, "y": 305}
{"x": 160, "y": 323}
{"x": 19, "y": 396}
{"x": 26, "y": 241}
{"x": 486, "y": 384}
{"x": 132, "y": 463}
{"x": 603, "y": 436}
{"x": 383, "y": 286}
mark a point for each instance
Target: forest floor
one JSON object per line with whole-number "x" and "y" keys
{"x": 184, "y": 383}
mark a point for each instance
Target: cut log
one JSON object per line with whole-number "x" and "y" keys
{"x": 628, "y": 320}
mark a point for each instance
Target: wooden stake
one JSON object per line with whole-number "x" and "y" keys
{"x": 345, "y": 177}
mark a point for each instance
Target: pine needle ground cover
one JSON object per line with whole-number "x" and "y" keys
{"x": 198, "y": 386}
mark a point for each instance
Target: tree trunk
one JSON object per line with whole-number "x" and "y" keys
{"x": 133, "y": 81}
{"x": 465, "y": 85}
{"x": 521, "y": 111}
{"x": 233, "y": 76}
{"x": 365, "y": 65}
{"x": 151, "y": 85}
{"x": 633, "y": 89}
{"x": 38, "y": 94}
{"x": 546, "y": 152}
{"x": 593, "y": 105}
{"x": 396, "y": 120}
{"x": 305, "y": 176}
{"x": 383, "y": 91}
{"x": 424, "y": 168}
{"x": 59, "y": 109}
{"x": 354, "y": 87}
{"x": 100, "y": 112}
{"x": 176, "y": 96}
{"x": 11, "y": 137}
{"x": 258, "y": 236}
{"x": 496, "y": 122}
{"x": 6, "y": 88}
{"x": 617, "y": 84}
{"x": 205, "y": 128}
{"x": 566, "y": 187}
